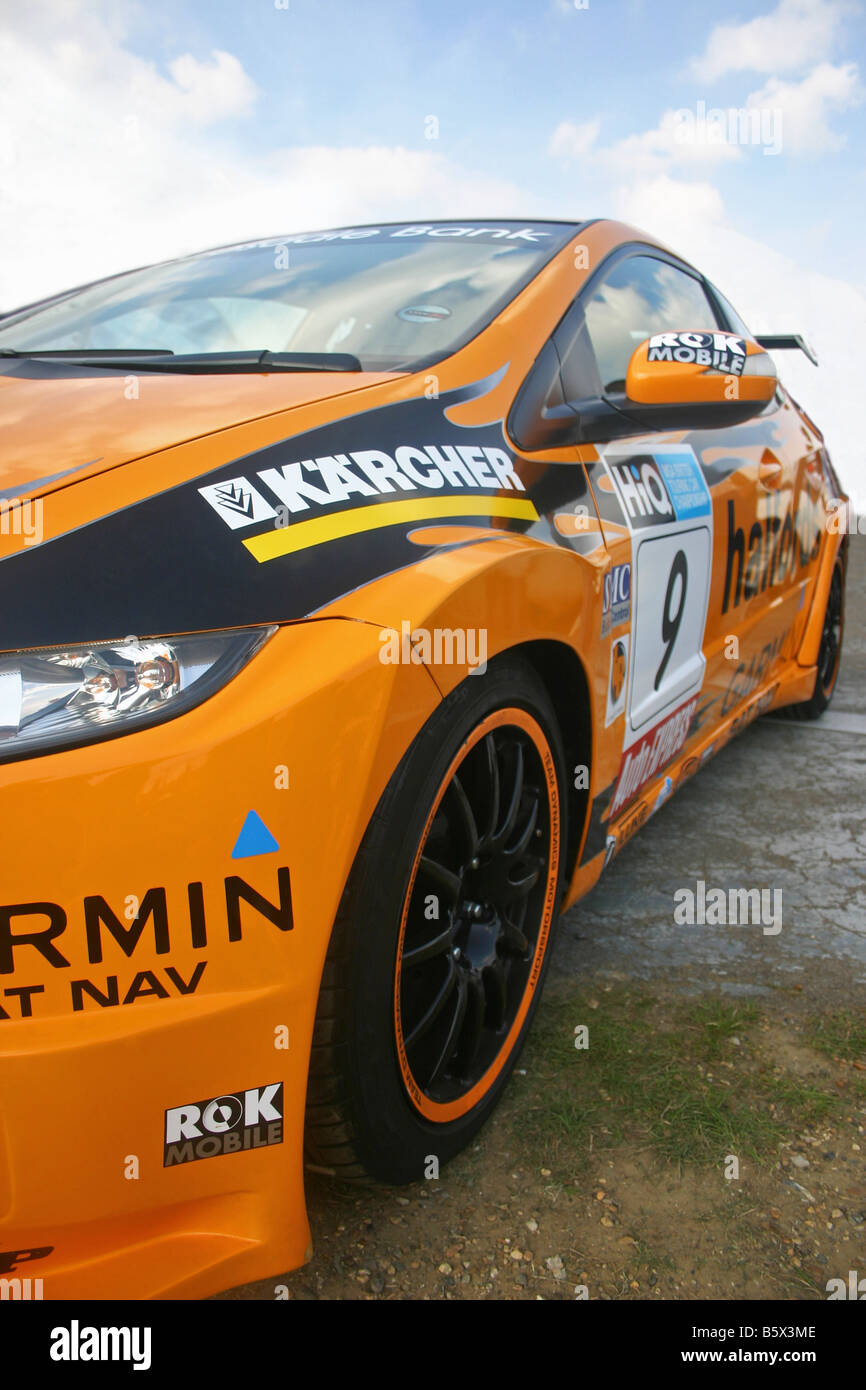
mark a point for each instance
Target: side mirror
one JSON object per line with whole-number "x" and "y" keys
{"x": 674, "y": 381}
{"x": 689, "y": 380}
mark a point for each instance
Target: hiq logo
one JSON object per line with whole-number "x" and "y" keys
{"x": 642, "y": 492}
{"x": 226, "y": 1124}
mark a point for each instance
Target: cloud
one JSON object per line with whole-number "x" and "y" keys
{"x": 781, "y": 117}
{"x": 790, "y": 117}
{"x": 795, "y": 34}
{"x": 677, "y": 139}
{"x": 805, "y": 106}
{"x": 212, "y": 91}
{"x": 665, "y": 202}
{"x": 117, "y": 163}
{"x": 371, "y": 183}
{"x": 571, "y": 141}
{"x": 109, "y": 161}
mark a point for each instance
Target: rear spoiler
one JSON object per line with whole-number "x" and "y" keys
{"x": 781, "y": 341}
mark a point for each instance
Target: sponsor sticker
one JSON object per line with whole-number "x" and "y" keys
{"x": 616, "y": 600}
{"x": 665, "y": 790}
{"x": 231, "y": 1123}
{"x": 616, "y": 685}
{"x": 661, "y": 488}
{"x": 14, "y": 1259}
{"x": 641, "y": 490}
{"x": 308, "y": 486}
{"x": 650, "y": 754}
{"x": 719, "y": 352}
{"x": 423, "y": 313}
{"x": 667, "y": 506}
{"x": 636, "y": 818}
{"x": 238, "y": 503}
{"x": 686, "y": 485}
{"x": 533, "y": 234}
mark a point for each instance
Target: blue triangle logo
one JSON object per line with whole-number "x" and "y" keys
{"x": 255, "y": 838}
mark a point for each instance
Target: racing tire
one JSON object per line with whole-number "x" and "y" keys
{"x": 443, "y": 936}
{"x": 829, "y": 653}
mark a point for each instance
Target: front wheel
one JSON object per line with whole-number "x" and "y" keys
{"x": 443, "y": 936}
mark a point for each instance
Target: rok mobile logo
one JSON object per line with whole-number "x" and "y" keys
{"x": 721, "y": 352}
{"x": 226, "y": 1124}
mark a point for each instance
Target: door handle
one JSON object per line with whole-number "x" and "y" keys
{"x": 770, "y": 471}
{"x": 814, "y": 472}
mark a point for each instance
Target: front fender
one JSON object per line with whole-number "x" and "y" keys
{"x": 513, "y": 590}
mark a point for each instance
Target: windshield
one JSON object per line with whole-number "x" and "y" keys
{"x": 394, "y": 296}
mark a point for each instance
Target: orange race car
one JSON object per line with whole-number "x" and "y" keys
{"x": 363, "y": 591}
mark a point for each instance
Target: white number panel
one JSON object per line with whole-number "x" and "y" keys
{"x": 671, "y": 590}
{"x": 667, "y": 507}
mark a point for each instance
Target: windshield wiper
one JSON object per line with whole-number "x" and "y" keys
{"x": 164, "y": 360}
{"x": 96, "y": 353}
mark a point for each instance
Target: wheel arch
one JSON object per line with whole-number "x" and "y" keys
{"x": 561, "y": 670}
{"x": 336, "y": 1141}
{"x": 835, "y": 552}
{"x": 528, "y": 597}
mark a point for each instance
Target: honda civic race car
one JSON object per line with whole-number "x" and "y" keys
{"x": 362, "y": 592}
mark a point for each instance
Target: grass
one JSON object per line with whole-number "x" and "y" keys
{"x": 648, "y": 1257}
{"x": 840, "y": 1034}
{"x": 686, "y": 1080}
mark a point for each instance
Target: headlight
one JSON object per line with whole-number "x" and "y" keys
{"x": 70, "y": 695}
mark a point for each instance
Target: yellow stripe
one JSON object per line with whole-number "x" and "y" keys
{"x": 284, "y": 540}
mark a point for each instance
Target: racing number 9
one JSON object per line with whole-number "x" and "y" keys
{"x": 671, "y": 621}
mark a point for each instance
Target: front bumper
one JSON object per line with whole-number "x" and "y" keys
{"x": 111, "y": 1019}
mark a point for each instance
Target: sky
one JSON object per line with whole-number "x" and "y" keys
{"x": 736, "y": 134}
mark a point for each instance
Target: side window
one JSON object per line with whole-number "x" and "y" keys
{"x": 735, "y": 322}
{"x": 638, "y": 297}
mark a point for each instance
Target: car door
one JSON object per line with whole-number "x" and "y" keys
{"x": 664, "y": 518}
{"x": 705, "y": 535}
{"x": 721, "y": 527}
{"x": 770, "y": 490}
